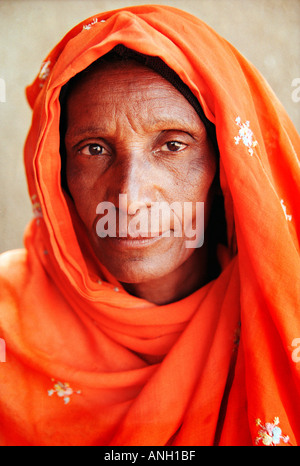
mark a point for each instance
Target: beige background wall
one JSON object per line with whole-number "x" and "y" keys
{"x": 267, "y": 32}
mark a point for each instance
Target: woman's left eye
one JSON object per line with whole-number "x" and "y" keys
{"x": 174, "y": 146}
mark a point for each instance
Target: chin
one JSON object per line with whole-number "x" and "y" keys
{"x": 137, "y": 270}
{"x": 143, "y": 264}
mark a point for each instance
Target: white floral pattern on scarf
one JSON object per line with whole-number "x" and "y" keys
{"x": 63, "y": 390}
{"x": 287, "y": 216}
{"x": 270, "y": 434}
{"x": 45, "y": 70}
{"x": 245, "y": 135}
{"x": 36, "y": 207}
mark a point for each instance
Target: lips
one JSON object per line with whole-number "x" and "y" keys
{"x": 141, "y": 241}
{"x": 143, "y": 235}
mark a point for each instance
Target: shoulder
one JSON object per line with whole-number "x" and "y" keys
{"x": 14, "y": 272}
{"x": 14, "y": 276}
{"x": 13, "y": 264}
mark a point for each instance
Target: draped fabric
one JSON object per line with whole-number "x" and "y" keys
{"x": 89, "y": 364}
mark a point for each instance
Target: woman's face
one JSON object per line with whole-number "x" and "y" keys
{"x": 131, "y": 132}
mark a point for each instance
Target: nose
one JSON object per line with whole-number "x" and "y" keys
{"x": 134, "y": 176}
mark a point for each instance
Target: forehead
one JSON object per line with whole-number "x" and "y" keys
{"x": 119, "y": 74}
{"x": 128, "y": 85}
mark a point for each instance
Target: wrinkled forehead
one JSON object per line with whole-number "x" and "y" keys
{"x": 116, "y": 78}
{"x": 112, "y": 97}
{"x": 117, "y": 65}
{"x": 120, "y": 58}
{"x": 130, "y": 87}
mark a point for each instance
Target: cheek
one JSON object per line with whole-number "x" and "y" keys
{"x": 197, "y": 183}
{"x": 80, "y": 184}
{"x": 74, "y": 177}
{"x": 199, "y": 193}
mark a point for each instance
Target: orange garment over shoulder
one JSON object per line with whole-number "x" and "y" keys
{"x": 78, "y": 346}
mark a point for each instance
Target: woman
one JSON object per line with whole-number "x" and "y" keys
{"x": 116, "y": 332}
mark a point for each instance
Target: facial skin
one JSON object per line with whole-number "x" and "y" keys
{"x": 129, "y": 131}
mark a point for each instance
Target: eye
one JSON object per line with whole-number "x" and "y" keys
{"x": 92, "y": 149}
{"x": 174, "y": 146}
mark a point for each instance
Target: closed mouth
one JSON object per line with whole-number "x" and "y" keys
{"x": 132, "y": 242}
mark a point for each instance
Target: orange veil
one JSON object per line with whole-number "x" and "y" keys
{"x": 89, "y": 364}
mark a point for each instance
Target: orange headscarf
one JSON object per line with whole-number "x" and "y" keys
{"x": 89, "y": 364}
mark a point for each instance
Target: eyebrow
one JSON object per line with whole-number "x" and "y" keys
{"x": 165, "y": 123}
{"x": 86, "y": 130}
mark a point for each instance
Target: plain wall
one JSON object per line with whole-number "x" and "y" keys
{"x": 266, "y": 32}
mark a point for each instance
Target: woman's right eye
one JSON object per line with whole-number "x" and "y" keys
{"x": 92, "y": 149}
